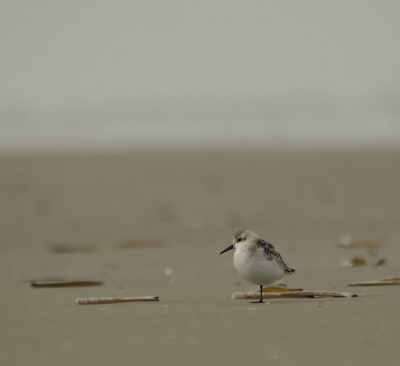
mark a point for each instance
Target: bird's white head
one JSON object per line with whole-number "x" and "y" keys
{"x": 242, "y": 237}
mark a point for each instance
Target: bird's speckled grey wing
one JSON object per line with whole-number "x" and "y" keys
{"x": 273, "y": 254}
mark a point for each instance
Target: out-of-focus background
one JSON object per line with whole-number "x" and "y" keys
{"x": 176, "y": 74}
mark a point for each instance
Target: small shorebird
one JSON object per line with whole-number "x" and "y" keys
{"x": 256, "y": 260}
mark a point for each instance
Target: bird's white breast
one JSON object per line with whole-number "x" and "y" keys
{"x": 256, "y": 268}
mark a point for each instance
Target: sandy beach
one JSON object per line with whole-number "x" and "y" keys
{"x": 178, "y": 210}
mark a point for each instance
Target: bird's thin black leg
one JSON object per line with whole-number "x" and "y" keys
{"x": 261, "y": 297}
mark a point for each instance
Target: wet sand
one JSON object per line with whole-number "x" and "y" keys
{"x": 190, "y": 205}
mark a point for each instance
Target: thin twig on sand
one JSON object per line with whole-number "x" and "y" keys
{"x": 291, "y": 295}
{"x": 113, "y": 300}
{"x": 280, "y": 289}
{"x": 393, "y": 281}
{"x": 65, "y": 283}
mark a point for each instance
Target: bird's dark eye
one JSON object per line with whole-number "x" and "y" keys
{"x": 239, "y": 239}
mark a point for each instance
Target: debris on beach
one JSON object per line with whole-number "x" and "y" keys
{"x": 347, "y": 241}
{"x": 113, "y": 300}
{"x": 372, "y": 248}
{"x": 65, "y": 283}
{"x": 274, "y": 289}
{"x": 296, "y": 294}
{"x": 354, "y": 262}
{"x": 380, "y": 262}
{"x": 139, "y": 244}
{"x": 72, "y": 248}
{"x": 394, "y": 281}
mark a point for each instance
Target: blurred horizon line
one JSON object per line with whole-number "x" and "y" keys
{"x": 259, "y": 135}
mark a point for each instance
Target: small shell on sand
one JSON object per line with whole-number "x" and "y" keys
{"x": 354, "y": 262}
{"x": 380, "y": 262}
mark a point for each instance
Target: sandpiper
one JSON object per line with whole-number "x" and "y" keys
{"x": 256, "y": 260}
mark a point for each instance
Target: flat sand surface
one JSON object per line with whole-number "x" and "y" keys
{"x": 190, "y": 205}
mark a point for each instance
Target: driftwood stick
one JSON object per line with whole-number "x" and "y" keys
{"x": 113, "y": 300}
{"x": 291, "y": 295}
{"x": 280, "y": 289}
{"x": 393, "y": 281}
{"x": 65, "y": 283}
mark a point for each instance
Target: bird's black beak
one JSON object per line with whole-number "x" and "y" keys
{"x": 228, "y": 249}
